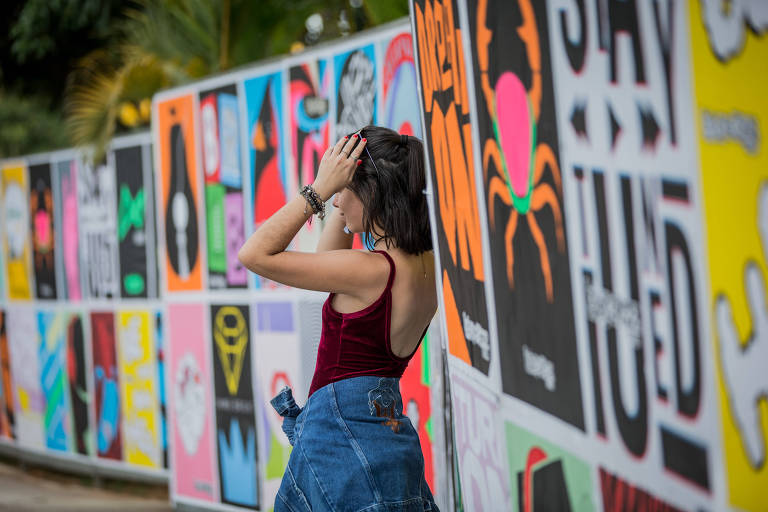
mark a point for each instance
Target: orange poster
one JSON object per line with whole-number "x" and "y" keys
{"x": 179, "y": 193}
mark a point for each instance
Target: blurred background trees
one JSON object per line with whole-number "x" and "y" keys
{"x": 78, "y": 72}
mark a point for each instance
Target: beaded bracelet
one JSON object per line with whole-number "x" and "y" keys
{"x": 314, "y": 201}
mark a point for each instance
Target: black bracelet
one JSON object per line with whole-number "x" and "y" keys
{"x": 317, "y": 204}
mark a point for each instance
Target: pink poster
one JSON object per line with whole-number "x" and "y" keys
{"x": 190, "y": 404}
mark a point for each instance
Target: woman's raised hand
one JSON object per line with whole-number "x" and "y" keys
{"x": 338, "y": 165}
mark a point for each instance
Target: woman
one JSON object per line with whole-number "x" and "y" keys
{"x": 353, "y": 448}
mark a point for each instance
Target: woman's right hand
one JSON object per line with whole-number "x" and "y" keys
{"x": 338, "y": 166}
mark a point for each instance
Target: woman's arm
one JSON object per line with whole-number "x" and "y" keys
{"x": 342, "y": 271}
{"x": 333, "y": 235}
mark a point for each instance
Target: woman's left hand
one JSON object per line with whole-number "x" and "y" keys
{"x": 338, "y": 165}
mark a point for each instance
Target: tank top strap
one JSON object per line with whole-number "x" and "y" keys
{"x": 391, "y": 269}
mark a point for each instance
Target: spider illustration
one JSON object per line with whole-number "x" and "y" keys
{"x": 519, "y": 159}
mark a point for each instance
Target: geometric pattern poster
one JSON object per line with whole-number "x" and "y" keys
{"x": 223, "y": 189}
{"x": 52, "y": 328}
{"x": 235, "y": 419}
{"x": 730, "y": 50}
{"x": 178, "y": 192}
{"x": 190, "y": 404}
{"x": 139, "y": 388}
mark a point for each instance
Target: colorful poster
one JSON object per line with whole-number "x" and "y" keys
{"x": 138, "y": 388}
{"x": 235, "y": 415}
{"x": 161, "y": 395}
{"x": 730, "y": 50}
{"x": 97, "y": 211}
{"x": 109, "y": 429}
{"x": 80, "y": 398}
{"x": 223, "y": 189}
{"x": 41, "y": 214}
{"x": 179, "y": 189}
{"x": 135, "y": 222}
{"x": 417, "y": 404}
{"x": 448, "y": 142}
{"x": 628, "y": 160}
{"x": 67, "y": 233}
{"x": 28, "y": 398}
{"x": 7, "y": 422}
{"x": 309, "y": 103}
{"x": 266, "y": 151}
{"x": 57, "y": 424}
{"x": 523, "y": 192}
{"x": 400, "y": 96}
{"x": 480, "y": 441}
{"x": 545, "y": 477}
{"x": 190, "y": 403}
{"x": 277, "y": 362}
{"x": 16, "y": 239}
{"x": 356, "y": 98}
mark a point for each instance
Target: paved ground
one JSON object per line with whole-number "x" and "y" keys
{"x": 34, "y": 490}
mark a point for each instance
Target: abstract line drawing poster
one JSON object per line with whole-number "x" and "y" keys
{"x": 630, "y": 173}
{"x": 137, "y": 362}
{"x": 448, "y": 143}
{"x": 235, "y": 418}
{"x": 479, "y": 444}
{"x": 400, "y": 97}
{"x": 223, "y": 186}
{"x": 546, "y": 477}
{"x": 309, "y": 130}
{"x": 355, "y": 86}
{"x": 106, "y": 380}
{"x": 277, "y": 361}
{"x": 97, "y": 209}
{"x": 178, "y": 194}
{"x": 7, "y": 421}
{"x": 52, "y": 353}
{"x": 16, "y": 242}
{"x": 522, "y": 187}
{"x": 67, "y": 238}
{"x": 730, "y": 50}
{"x": 80, "y": 398}
{"x": 135, "y": 222}
{"x": 270, "y": 181}
{"x": 41, "y": 214}
{"x": 190, "y": 404}
{"x": 28, "y": 399}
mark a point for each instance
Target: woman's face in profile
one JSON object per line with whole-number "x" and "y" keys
{"x": 351, "y": 209}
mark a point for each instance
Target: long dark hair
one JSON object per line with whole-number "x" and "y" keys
{"x": 392, "y": 190}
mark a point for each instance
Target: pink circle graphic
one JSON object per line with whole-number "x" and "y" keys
{"x": 514, "y": 126}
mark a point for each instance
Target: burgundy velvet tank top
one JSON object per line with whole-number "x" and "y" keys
{"x": 357, "y": 344}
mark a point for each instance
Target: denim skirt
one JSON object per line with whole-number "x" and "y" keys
{"x": 353, "y": 450}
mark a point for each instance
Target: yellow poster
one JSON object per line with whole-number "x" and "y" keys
{"x": 730, "y": 54}
{"x": 15, "y": 215}
{"x": 136, "y": 356}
